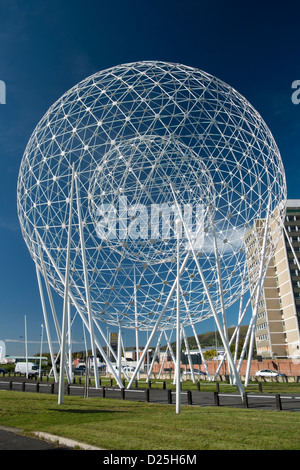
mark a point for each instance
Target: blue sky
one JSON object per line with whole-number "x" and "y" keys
{"x": 46, "y": 47}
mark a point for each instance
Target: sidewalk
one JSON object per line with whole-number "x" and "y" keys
{"x": 13, "y": 439}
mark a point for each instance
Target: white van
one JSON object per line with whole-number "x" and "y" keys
{"x": 33, "y": 369}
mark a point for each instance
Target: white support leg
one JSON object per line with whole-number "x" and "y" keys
{"x": 87, "y": 288}
{"x": 119, "y": 354}
{"x": 196, "y": 336}
{"x": 170, "y": 347}
{"x": 136, "y": 325}
{"x": 69, "y": 340}
{"x": 79, "y": 309}
{"x": 166, "y": 351}
{"x": 124, "y": 355}
{"x": 46, "y": 324}
{"x": 158, "y": 321}
{"x": 162, "y": 363}
{"x": 154, "y": 356}
{"x": 189, "y": 355}
{"x": 110, "y": 352}
{"x": 239, "y": 318}
{"x": 66, "y": 299}
{"x": 219, "y": 277}
{"x": 220, "y": 329}
{"x": 50, "y": 298}
{"x": 236, "y": 330}
{"x": 215, "y": 315}
{"x": 175, "y": 359}
{"x": 178, "y": 339}
{"x": 261, "y": 277}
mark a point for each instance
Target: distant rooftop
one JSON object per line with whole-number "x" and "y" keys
{"x": 293, "y": 203}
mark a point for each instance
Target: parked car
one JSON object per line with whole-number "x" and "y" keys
{"x": 268, "y": 373}
{"x": 129, "y": 369}
{"x": 196, "y": 372}
{"x": 79, "y": 370}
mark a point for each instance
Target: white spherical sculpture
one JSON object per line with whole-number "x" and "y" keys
{"x": 146, "y": 140}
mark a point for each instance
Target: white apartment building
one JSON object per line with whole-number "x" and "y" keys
{"x": 277, "y": 327}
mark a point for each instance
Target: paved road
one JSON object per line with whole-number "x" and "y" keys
{"x": 12, "y": 439}
{"x": 259, "y": 401}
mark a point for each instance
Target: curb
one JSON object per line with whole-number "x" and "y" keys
{"x": 64, "y": 441}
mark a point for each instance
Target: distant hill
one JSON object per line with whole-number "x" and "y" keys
{"x": 208, "y": 340}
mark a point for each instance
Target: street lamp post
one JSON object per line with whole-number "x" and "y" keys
{"x": 41, "y": 350}
{"x": 26, "y": 348}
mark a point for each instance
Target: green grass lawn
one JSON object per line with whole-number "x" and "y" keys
{"x": 122, "y": 425}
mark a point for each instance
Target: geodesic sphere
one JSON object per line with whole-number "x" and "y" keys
{"x": 143, "y": 186}
{"x": 151, "y": 134}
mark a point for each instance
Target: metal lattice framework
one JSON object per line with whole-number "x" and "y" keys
{"x": 128, "y": 140}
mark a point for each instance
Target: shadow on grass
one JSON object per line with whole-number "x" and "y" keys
{"x": 80, "y": 411}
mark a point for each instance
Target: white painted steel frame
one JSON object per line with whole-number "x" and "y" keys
{"x": 46, "y": 324}
{"x": 178, "y": 327}
{"x": 66, "y": 301}
{"x": 263, "y": 268}
{"x": 83, "y": 318}
{"x": 143, "y": 119}
{"x": 231, "y": 140}
{"x": 218, "y": 324}
{"x": 158, "y": 322}
{"x": 87, "y": 288}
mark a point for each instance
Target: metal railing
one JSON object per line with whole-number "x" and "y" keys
{"x": 159, "y": 395}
